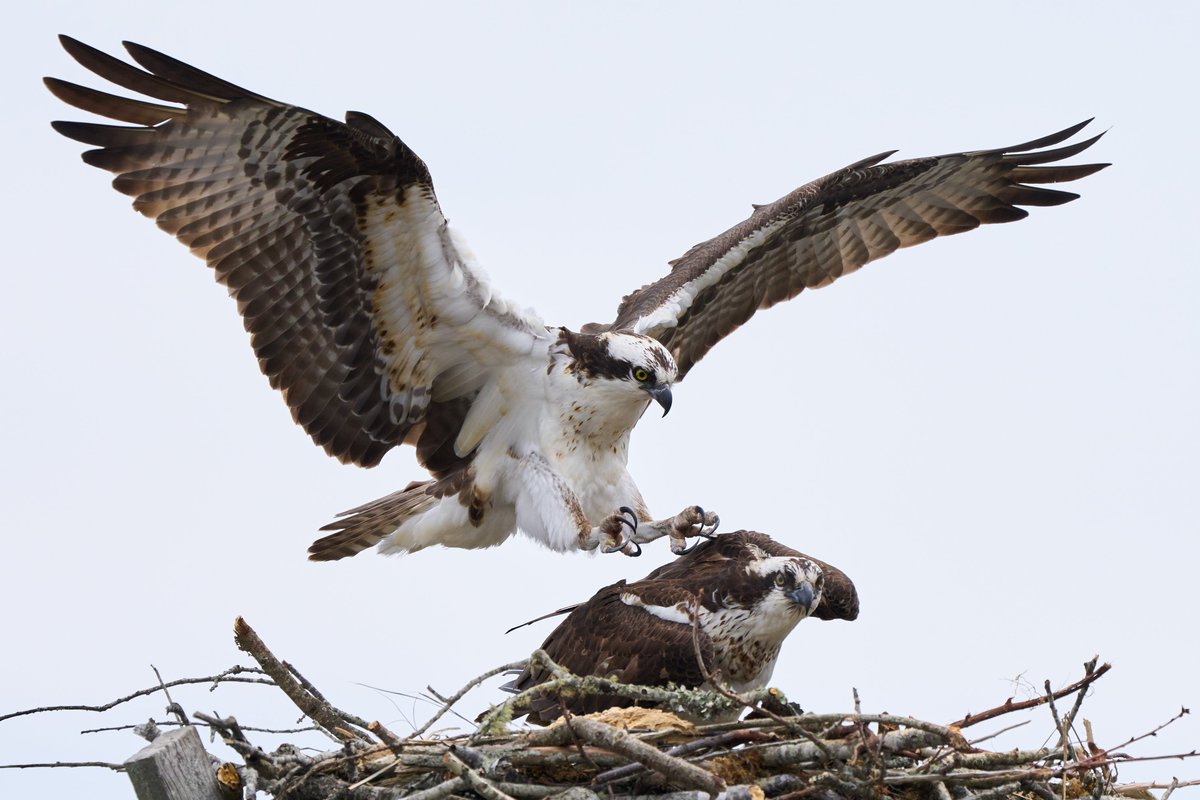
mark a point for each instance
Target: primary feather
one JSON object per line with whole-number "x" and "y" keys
{"x": 371, "y": 316}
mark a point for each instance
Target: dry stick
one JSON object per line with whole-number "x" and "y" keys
{"x": 1183, "y": 712}
{"x": 671, "y": 699}
{"x": 1064, "y": 741}
{"x": 228, "y": 727}
{"x": 1008, "y": 705}
{"x": 687, "y": 748}
{"x": 385, "y": 735}
{"x": 443, "y": 789}
{"x": 172, "y": 706}
{"x": 676, "y": 770}
{"x": 315, "y": 708}
{"x": 386, "y": 768}
{"x": 1130, "y": 788}
{"x": 382, "y": 733}
{"x": 994, "y": 734}
{"x": 228, "y": 676}
{"x": 479, "y": 784}
{"x": 1088, "y": 668}
{"x": 105, "y": 764}
{"x": 448, "y": 703}
{"x": 167, "y": 723}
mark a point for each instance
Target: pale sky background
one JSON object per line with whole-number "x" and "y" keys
{"x": 994, "y": 435}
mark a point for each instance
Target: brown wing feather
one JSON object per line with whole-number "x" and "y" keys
{"x": 607, "y": 637}
{"x": 833, "y": 226}
{"x": 322, "y": 232}
{"x": 595, "y": 639}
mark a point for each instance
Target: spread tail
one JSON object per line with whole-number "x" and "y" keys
{"x": 359, "y": 528}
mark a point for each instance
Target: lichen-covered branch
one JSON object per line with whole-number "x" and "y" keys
{"x": 649, "y": 754}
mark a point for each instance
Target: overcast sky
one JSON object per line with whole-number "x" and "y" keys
{"x": 995, "y": 435}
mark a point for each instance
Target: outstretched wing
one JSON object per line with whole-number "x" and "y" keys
{"x": 610, "y": 638}
{"x": 836, "y": 224}
{"x": 839, "y": 600}
{"x": 363, "y": 307}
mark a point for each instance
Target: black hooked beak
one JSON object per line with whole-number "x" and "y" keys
{"x": 803, "y": 595}
{"x": 662, "y": 396}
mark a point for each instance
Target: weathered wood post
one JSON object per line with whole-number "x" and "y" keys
{"x": 175, "y": 766}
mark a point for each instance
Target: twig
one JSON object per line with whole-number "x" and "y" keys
{"x": 449, "y": 702}
{"x": 57, "y": 764}
{"x": 676, "y": 770}
{"x": 166, "y": 723}
{"x": 1009, "y": 706}
{"x": 313, "y": 706}
{"x": 479, "y": 784}
{"x": 994, "y": 734}
{"x": 228, "y": 676}
{"x": 696, "y": 702}
{"x": 686, "y": 749}
{"x": 172, "y": 706}
{"x": 1088, "y": 668}
{"x": 1183, "y": 712}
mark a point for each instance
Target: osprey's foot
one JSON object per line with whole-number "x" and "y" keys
{"x": 692, "y": 521}
{"x": 614, "y": 527}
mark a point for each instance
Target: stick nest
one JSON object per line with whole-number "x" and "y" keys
{"x": 655, "y": 754}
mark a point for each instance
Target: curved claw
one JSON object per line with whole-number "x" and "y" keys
{"x": 632, "y": 521}
{"x": 620, "y": 548}
{"x": 684, "y": 551}
{"x": 629, "y": 520}
{"x": 703, "y": 533}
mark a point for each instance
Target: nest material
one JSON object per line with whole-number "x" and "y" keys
{"x": 653, "y": 754}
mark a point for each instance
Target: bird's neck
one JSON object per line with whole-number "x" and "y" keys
{"x": 594, "y": 415}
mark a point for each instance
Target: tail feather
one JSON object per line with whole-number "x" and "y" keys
{"x": 365, "y": 526}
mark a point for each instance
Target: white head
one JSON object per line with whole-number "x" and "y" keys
{"x": 628, "y": 364}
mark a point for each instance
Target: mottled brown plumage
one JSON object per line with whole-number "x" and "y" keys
{"x": 370, "y": 315}
{"x": 834, "y": 225}
{"x": 614, "y": 635}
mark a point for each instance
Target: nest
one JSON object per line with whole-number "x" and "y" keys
{"x": 648, "y": 753}
{"x": 645, "y": 752}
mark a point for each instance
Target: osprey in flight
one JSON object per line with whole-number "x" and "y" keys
{"x": 752, "y": 592}
{"x": 372, "y": 317}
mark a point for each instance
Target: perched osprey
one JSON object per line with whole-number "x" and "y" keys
{"x": 372, "y": 317}
{"x": 752, "y": 592}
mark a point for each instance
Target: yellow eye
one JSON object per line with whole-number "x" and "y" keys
{"x": 780, "y": 580}
{"x": 641, "y": 375}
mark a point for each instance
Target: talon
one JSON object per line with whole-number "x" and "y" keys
{"x": 616, "y": 548}
{"x": 623, "y": 547}
{"x": 629, "y": 520}
{"x": 632, "y": 521}
{"x": 679, "y": 550}
{"x": 703, "y": 533}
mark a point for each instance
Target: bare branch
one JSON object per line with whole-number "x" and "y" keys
{"x": 676, "y": 770}
{"x": 231, "y": 675}
{"x": 313, "y": 706}
{"x": 448, "y": 703}
{"x": 66, "y": 764}
{"x": 479, "y": 784}
{"x": 1009, "y": 706}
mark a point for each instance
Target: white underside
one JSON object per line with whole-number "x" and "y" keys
{"x": 551, "y": 459}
